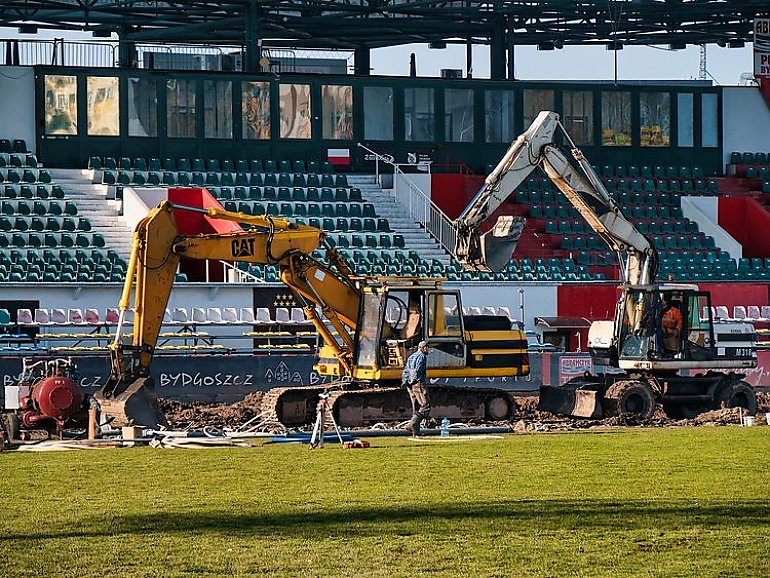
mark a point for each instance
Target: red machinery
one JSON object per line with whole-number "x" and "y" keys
{"x": 48, "y": 397}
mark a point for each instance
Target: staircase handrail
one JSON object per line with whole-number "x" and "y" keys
{"x": 419, "y": 205}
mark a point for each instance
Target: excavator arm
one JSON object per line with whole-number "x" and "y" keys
{"x": 583, "y": 188}
{"x": 157, "y": 250}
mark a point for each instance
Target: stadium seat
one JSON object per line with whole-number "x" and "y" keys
{"x": 213, "y": 315}
{"x": 198, "y": 315}
{"x": 246, "y": 315}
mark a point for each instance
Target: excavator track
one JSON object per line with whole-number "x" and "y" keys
{"x": 355, "y": 406}
{"x": 291, "y": 406}
{"x": 360, "y": 407}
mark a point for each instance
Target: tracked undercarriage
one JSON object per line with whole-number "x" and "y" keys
{"x": 359, "y": 404}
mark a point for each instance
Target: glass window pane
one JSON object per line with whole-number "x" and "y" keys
{"x": 578, "y": 117}
{"x": 142, "y": 107}
{"x": 709, "y": 120}
{"x": 180, "y": 108}
{"x": 534, "y": 101}
{"x": 218, "y": 111}
{"x": 255, "y": 106}
{"x": 419, "y": 119}
{"x": 616, "y": 119}
{"x": 684, "y": 123}
{"x": 655, "y": 119}
{"x": 443, "y": 318}
{"x": 61, "y": 104}
{"x": 378, "y": 113}
{"x": 102, "y": 105}
{"x": 458, "y": 113}
{"x": 295, "y": 111}
{"x": 337, "y": 112}
{"x": 498, "y": 113}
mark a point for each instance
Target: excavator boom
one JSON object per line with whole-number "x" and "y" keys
{"x": 157, "y": 250}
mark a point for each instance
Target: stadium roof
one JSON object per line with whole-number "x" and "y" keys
{"x": 378, "y": 23}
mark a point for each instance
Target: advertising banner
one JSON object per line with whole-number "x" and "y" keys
{"x": 574, "y": 366}
{"x": 762, "y": 47}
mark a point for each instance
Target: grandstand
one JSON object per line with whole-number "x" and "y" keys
{"x": 337, "y": 151}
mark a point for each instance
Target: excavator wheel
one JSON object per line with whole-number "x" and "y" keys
{"x": 498, "y": 408}
{"x": 11, "y": 425}
{"x": 629, "y": 399}
{"x": 739, "y": 394}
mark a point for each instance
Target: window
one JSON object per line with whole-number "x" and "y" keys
{"x": 419, "y": 120}
{"x": 180, "y": 108}
{"x": 534, "y": 101}
{"x": 578, "y": 117}
{"x": 218, "y": 109}
{"x": 295, "y": 111}
{"x": 337, "y": 112}
{"x": 655, "y": 119}
{"x": 255, "y": 108}
{"x": 378, "y": 113}
{"x": 709, "y": 125}
{"x": 102, "y": 105}
{"x": 498, "y": 112}
{"x": 443, "y": 317}
{"x": 61, "y": 104}
{"x": 458, "y": 113}
{"x": 616, "y": 119}
{"x": 684, "y": 122}
{"x": 142, "y": 107}
{"x": 699, "y": 328}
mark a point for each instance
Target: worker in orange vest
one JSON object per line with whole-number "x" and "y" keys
{"x": 671, "y": 324}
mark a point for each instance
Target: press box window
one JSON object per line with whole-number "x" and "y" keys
{"x": 61, "y": 104}
{"x": 337, "y": 112}
{"x": 378, "y": 113}
{"x": 180, "y": 108}
{"x": 102, "y": 98}
{"x": 255, "y": 110}
{"x": 295, "y": 111}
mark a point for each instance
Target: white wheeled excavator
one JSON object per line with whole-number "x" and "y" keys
{"x": 696, "y": 370}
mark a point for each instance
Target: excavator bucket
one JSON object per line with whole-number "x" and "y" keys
{"x": 136, "y": 404}
{"x": 499, "y": 243}
{"x": 571, "y": 401}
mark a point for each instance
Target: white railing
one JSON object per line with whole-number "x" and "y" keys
{"x": 419, "y": 205}
{"x": 233, "y": 274}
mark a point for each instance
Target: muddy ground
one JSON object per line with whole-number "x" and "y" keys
{"x": 528, "y": 418}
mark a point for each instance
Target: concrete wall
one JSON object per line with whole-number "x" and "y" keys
{"x": 705, "y": 212}
{"x": 101, "y": 296}
{"x": 17, "y": 101}
{"x": 539, "y": 300}
{"x": 745, "y": 121}
{"x": 138, "y": 202}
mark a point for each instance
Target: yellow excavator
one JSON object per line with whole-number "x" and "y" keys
{"x": 369, "y": 326}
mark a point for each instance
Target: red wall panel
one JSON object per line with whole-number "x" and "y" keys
{"x": 453, "y": 192}
{"x": 594, "y": 302}
{"x": 743, "y": 217}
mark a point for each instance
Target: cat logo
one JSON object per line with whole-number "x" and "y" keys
{"x": 243, "y": 247}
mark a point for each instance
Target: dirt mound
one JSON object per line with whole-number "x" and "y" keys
{"x": 763, "y": 402}
{"x": 197, "y": 415}
{"x": 529, "y": 419}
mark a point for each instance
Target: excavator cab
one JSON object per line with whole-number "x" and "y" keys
{"x": 396, "y": 316}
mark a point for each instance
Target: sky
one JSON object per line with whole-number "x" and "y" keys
{"x": 725, "y": 65}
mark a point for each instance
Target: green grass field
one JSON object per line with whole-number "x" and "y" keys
{"x": 665, "y": 502}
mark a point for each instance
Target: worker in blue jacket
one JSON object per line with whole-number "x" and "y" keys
{"x": 415, "y": 380}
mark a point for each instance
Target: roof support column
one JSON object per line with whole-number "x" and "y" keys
{"x": 497, "y": 50}
{"x": 511, "y": 48}
{"x": 127, "y": 56}
{"x": 362, "y": 61}
{"x": 253, "y": 30}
